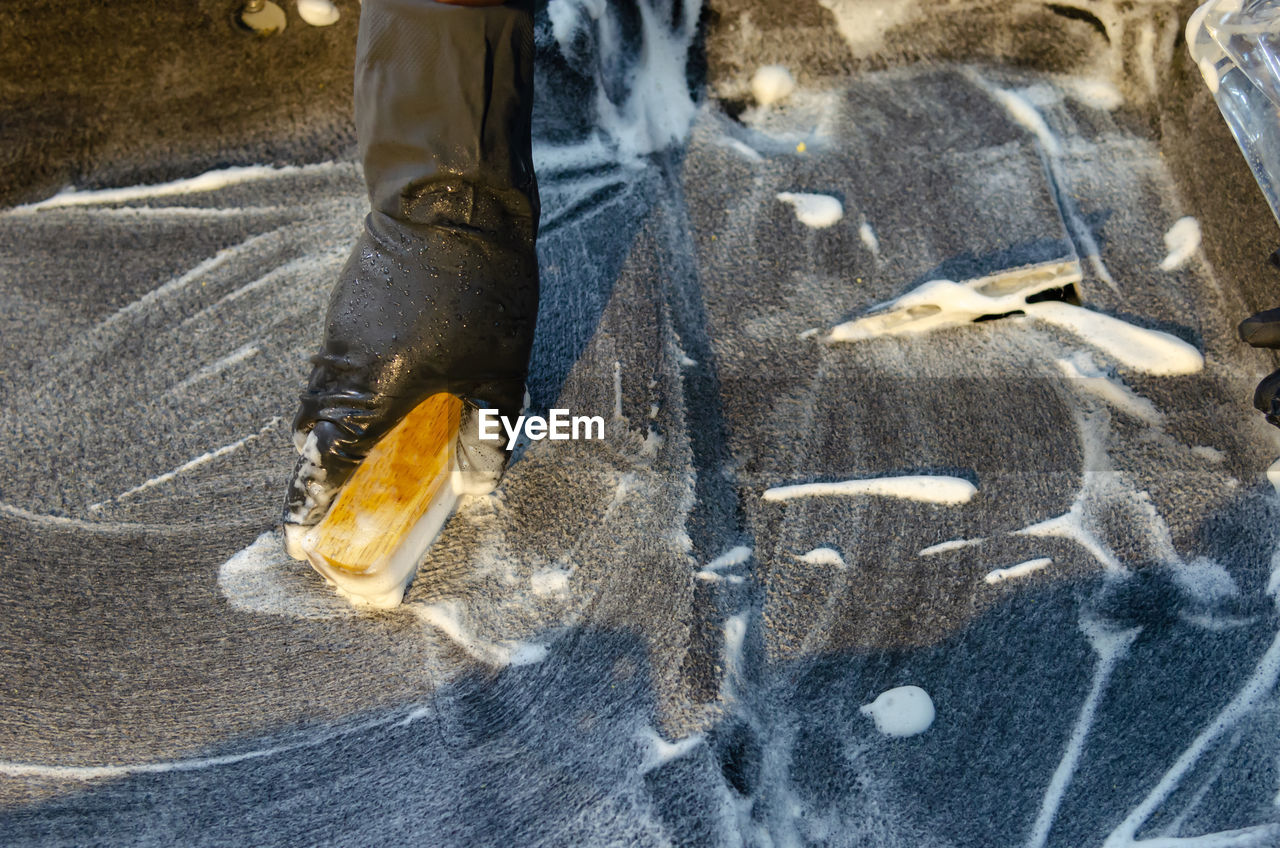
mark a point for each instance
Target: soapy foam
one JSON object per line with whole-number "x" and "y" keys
{"x": 816, "y": 211}
{"x": 823, "y": 556}
{"x": 730, "y": 558}
{"x": 240, "y": 354}
{"x": 1111, "y": 646}
{"x": 550, "y": 581}
{"x": 902, "y": 711}
{"x": 1182, "y": 241}
{"x": 944, "y": 303}
{"x": 318, "y": 13}
{"x": 192, "y": 464}
{"x": 1022, "y": 569}
{"x": 659, "y": 752}
{"x": 446, "y": 617}
{"x": 772, "y": 83}
{"x": 1085, "y": 374}
{"x": 658, "y": 109}
{"x": 206, "y": 182}
{"x": 1094, "y": 93}
{"x": 946, "y": 547}
{"x": 263, "y": 579}
{"x": 869, "y": 239}
{"x": 949, "y": 491}
{"x": 864, "y": 23}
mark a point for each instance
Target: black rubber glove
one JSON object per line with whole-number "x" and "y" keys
{"x": 1263, "y": 330}
{"x": 441, "y": 290}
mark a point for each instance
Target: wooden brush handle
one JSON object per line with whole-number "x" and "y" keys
{"x": 391, "y": 489}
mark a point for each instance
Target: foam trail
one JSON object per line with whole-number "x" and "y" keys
{"x": 660, "y": 752}
{"x": 445, "y": 618}
{"x": 1182, "y": 242}
{"x": 236, "y": 356}
{"x": 658, "y": 108}
{"x": 1258, "y": 836}
{"x": 1026, "y": 115}
{"x": 1111, "y": 646}
{"x": 1149, "y": 351}
{"x": 939, "y": 304}
{"x": 87, "y": 773}
{"x": 1258, "y": 687}
{"x": 945, "y": 547}
{"x": 1095, "y": 93}
{"x": 1014, "y": 572}
{"x": 314, "y": 262}
{"x": 1070, "y": 525}
{"x": 949, "y": 491}
{"x": 185, "y": 279}
{"x": 734, "y": 556}
{"x": 1022, "y": 112}
{"x": 741, "y": 148}
{"x": 200, "y": 460}
{"x": 1085, "y": 374}
{"x": 89, "y": 526}
{"x": 735, "y": 634}
{"x": 208, "y": 181}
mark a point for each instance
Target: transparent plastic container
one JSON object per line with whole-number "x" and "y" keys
{"x": 1236, "y": 44}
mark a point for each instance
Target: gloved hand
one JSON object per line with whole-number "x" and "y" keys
{"x": 1263, "y": 330}
{"x": 441, "y": 290}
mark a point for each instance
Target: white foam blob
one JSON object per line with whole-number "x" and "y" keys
{"x": 772, "y": 83}
{"x": 817, "y": 211}
{"x": 938, "y": 489}
{"x": 823, "y": 556}
{"x": 318, "y": 13}
{"x": 1273, "y": 475}
{"x": 734, "y": 556}
{"x": 904, "y": 711}
{"x": 1182, "y": 241}
{"x": 868, "y": 235}
{"x": 1022, "y": 569}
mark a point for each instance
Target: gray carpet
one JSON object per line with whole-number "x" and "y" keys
{"x": 628, "y": 644}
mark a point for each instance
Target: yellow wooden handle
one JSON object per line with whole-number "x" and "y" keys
{"x": 391, "y": 489}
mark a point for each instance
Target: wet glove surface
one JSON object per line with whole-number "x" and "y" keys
{"x": 1263, "y": 330}
{"x": 440, "y": 292}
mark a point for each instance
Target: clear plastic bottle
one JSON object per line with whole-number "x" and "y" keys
{"x": 1236, "y": 44}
